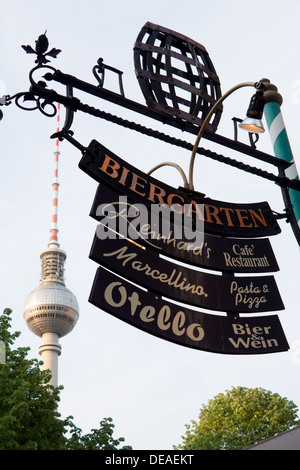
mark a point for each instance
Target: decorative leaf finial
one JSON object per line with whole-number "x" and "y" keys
{"x": 41, "y": 46}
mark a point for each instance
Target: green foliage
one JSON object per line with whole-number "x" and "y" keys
{"x": 239, "y": 418}
{"x": 28, "y": 416}
{"x": 98, "y": 439}
{"x": 28, "y": 406}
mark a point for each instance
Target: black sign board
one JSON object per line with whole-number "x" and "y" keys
{"x": 214, "y": 333}
{"x": 178, "y": 282}
{"x": 240, "y": 220}
{"x": 208, "y": 251}
{"x": 230, "y": 240}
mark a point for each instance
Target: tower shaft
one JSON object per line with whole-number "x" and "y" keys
{"x": 49, "y": 350}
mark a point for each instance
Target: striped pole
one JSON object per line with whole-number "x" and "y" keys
{"x": 281, "y": 146}
{"x": 55, "y": 185}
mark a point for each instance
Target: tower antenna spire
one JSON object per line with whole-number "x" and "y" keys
{"x": 55, "y": 186}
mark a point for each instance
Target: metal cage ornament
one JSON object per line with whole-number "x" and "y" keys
{"x": 176, "y": 75}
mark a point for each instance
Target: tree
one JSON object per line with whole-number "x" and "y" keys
{"x": 238, "y": 418}
{"x": 28, "y": 416}
{"x": 28, "y": 406}
{"x": 98, "y": 439}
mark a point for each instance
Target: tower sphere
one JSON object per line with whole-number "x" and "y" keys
{"x": 51, "y": 308}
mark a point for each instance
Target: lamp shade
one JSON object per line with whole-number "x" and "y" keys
{"x": 252, "y": 125}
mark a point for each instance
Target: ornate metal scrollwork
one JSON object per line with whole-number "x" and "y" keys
{"x": 37, "y": 103}
{"x": 99, "y": 74}
{"x": 41, "y": 47}
{"x": 33, "y": 98}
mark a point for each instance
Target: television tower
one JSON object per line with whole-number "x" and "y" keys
{"x": 51, "y": 310}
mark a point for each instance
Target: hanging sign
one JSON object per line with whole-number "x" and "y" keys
{"x": 214, "y": 333}
{"x": 178, "y": 282}
{"x": 240, "y": 220}
{"x": 135, "y": 221}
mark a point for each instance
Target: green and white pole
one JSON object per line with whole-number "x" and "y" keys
{"x": 281, "y": 146}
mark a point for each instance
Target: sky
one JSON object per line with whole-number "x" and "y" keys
{"x": 150, "y": 387}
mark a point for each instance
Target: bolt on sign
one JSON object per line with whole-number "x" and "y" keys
{"x": 141, "y": 238}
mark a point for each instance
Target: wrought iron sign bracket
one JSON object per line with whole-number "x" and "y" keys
{"x": 119, "y": 99}
{"x": 38, "y": 91}
{"x": 42, "y": 98}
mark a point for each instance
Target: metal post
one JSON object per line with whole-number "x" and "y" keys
{"x": 281, "y": 145}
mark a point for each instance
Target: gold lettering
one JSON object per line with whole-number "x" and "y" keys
{"x": 178, "y": 324}
{"x": 134, "y": 302}
{"x": 153, "y": 194}
{"x": 124, "y": 174}
{"x": 241, "y": 217}
{"x": 135, "y": 183}
{"x": 212, "y": 211}
{"x": 147, "y": 313}
{"x": 195, "y": 328}
{"x": 107, "y": 164}
{"x": 171, "y": 203}
{"x": 227, "y": 211}
{"x": 260, "y": 217}
{"x": 196, "y": 210}
{"x": 163, "y": 317}
{"x": 108, "y": 294}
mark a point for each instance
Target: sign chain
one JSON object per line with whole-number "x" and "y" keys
{"x": 281, "y": 181}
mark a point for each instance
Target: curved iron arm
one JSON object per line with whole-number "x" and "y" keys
{"x": 185, "y": 181}
{"x": 204, "y": 125}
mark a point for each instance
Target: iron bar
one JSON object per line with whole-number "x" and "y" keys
{"x": 120, "y": 100}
